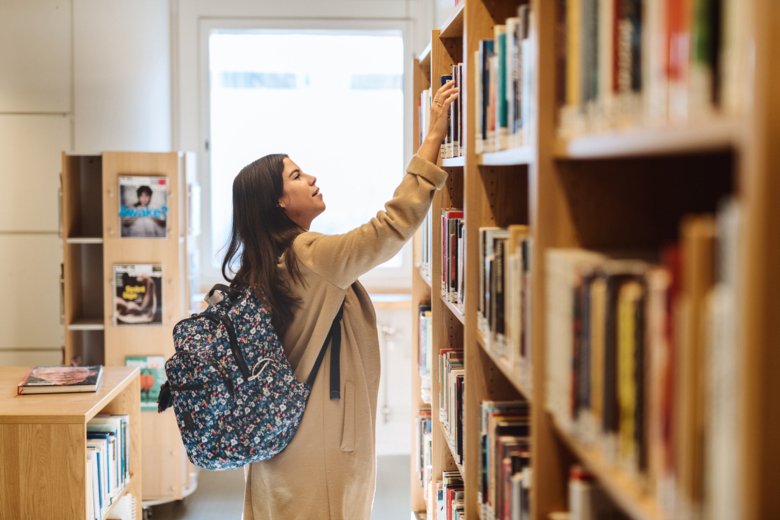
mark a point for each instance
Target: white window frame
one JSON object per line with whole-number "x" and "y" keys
{"x": 386, "y": 280}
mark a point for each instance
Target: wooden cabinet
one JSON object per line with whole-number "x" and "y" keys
{"x": 43, "y": 444}
{"x": 93, "y": 249}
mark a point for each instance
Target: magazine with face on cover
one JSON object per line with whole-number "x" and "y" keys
{"x": 143, "y": 206}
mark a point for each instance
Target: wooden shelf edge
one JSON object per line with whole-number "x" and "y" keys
{"x": 454, "y": 454}
{"x": 521, "y": 156}
{"x": 619, "y": 485}
{"x": 512, "y": 374}
{"x": 87, "y": 324}
{"x": 717, "y": 134}
{"x": 84, "y": 240}
{"x": 458, "y": 313}
{"x": 454, "y": 162}
{"x": 453, "y": 25}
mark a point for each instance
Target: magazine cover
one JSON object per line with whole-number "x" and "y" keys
{"x": 138, "y": 294}
{"x": 143, "y": 206}
{"x": 60, "y": 379}
{"x": 152, "y": 378}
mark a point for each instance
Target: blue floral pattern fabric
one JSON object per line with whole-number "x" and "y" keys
{"x": 234, "y": 392}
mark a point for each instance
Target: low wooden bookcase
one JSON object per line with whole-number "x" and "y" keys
{"x": 43, "y": 444}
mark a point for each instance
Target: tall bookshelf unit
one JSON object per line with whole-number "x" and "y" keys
{"x": 43, "y": 444}
{"x": 624, "y": 189}
{"x": 93, "y": 245}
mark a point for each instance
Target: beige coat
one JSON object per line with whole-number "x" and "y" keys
{"x": 328, "y": 470}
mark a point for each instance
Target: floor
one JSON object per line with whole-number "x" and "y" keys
{"x": 220, "y": 495}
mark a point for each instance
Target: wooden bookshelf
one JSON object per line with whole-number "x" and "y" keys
{"x": 627, "y": 187}
{"x": 93, "y": 245}
{"x": 43, "y": 444}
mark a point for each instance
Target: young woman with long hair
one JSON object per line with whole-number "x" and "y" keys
{"x": 328, "y": 470}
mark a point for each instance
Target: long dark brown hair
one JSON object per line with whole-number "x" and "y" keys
{"x": 260, "y": 234}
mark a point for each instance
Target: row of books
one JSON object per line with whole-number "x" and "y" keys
{"x": 425, "y": 351}
{"x": 424, "y": 447}
{"x": 453, "y": 255}
{"x": 505, "y": 293}
{"x": 452, "y": 146}
{"x": 629, "y": 62}
{"x": 504, "y": 84}
{"x": 505, "y": 467}
{"x": 108, "y": 462}
{"x": 426, "y": 245}
{"x": 450, "y": 497}
{"x": 642, "y": 361}
{"x": 451, "y": 390}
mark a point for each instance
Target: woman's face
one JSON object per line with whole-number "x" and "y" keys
{"x": 301, "y": 198}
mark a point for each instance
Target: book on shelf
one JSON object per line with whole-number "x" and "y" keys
{"x": 503, "y": 84}
{"x": 642, "y": 362}
{"x": 426, "y": 246}
{"x": 143, "y": 206}
{"x": 505, "y": 452}
{"x": 423, "y": 446}
{"x": 451, "y": 388}
{"x": 152, "y": 369}
{"x": 453, "y": 253}
{"x": 505, "y": 293}
{"x": 450, "y": 496}
{"x": 646, "y": 63}
{"x": 108, "y": 461}
{"x": 425, "y": 351}
{"x": 60, "y": 380}
{"x": 137, "y": 294}
{"x": 587, "y": 499}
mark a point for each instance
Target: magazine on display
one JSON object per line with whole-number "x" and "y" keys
{"x": 138, "y": 294}
{"x": 143, "y": 206}
{"x": 152, "y": 370}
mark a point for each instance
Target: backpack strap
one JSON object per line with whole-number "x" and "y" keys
{"x": 335, "y": 357}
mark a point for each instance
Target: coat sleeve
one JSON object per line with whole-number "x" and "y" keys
{"x": 341, "y": 259}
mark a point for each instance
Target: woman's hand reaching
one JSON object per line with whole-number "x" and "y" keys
{"x": 437, "y": 129}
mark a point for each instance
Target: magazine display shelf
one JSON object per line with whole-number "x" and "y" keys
{"x": 43, "y": 444}
{"x": 615, "y": 189}
{"x": 93, "y": 245}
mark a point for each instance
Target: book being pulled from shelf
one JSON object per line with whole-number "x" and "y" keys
{"x": 60, "y": 380}
{"x": 452, "y": 255}
{"x": 623, "y": 63}
{"x": 504, "y": 82}
{"x": 504, "y": 310}
{"x": 108, "y": 462}
{"x": 504, "y": 478}
{"x": 642, "y": 363}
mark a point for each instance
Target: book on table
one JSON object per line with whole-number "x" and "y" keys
{"x": 60, "y": 379}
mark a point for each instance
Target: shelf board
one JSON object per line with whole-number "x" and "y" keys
{"x": 454, "y": 310}
{"x": 718, "y": 134}
{"x": 118, "y": 497}
{"x": 513, "y": 374}
{"x": 454, "y": 453}
{"x": 87, "y": 324}
{"x": 453, "y": 26}
{"x": 454, "y": 162}
{"x": 84, "y": 240}
{"x": 511, "y": 157}
{"x": 625, "y": 491}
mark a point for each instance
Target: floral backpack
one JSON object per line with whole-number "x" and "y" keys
{"x": 233, "y": 390}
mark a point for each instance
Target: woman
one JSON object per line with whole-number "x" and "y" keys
{"x": 328, "y": 470}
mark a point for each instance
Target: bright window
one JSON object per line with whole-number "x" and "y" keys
{"x": 331, "y": 100}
